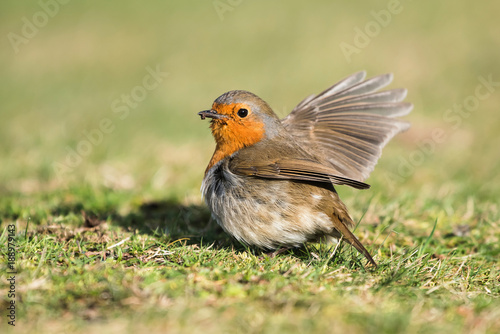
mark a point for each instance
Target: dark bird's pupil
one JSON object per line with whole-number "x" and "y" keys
{"x": 242, "y": 113}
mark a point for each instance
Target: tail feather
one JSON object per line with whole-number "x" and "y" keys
{"x": 351, "y": 238}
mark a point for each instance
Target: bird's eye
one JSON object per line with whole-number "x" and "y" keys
{"x": 242, "y": 112}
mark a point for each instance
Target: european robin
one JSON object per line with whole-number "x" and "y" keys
{"x": 270, "y": 182}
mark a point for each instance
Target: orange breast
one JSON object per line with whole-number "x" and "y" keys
{"x": 233, "y": 134}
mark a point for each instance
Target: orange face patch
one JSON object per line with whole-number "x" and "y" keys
{"x": 234, "y": 132}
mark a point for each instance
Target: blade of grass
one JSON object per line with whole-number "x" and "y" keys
{"x": 428, "y": 240}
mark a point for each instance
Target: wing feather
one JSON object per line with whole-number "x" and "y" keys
{"x": 294, "y": 169}
{"x": 348, "y": 124}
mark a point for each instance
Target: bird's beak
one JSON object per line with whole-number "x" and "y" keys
{"x": 210, "y": 114}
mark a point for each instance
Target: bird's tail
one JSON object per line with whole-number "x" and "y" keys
{"x": 341, "y": 227}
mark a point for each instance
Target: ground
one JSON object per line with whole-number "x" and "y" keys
{"x": 102, "y": 155}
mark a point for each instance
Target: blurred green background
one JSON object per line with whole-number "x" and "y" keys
{"x": 61, "y": 78}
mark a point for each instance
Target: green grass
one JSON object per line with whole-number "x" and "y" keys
{"x": 154, "y": 259}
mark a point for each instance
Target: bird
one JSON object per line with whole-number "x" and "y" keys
{"x": 271, "y": 182}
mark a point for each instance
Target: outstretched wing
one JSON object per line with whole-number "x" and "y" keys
{"x": 349, "y": 123}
